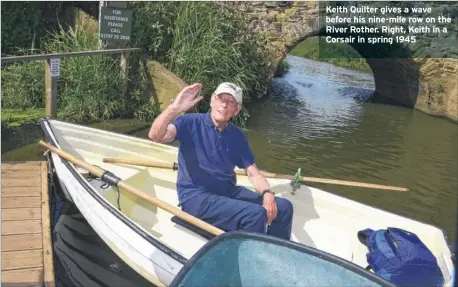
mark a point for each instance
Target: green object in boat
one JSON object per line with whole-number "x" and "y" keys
{"x": 296, "y": 183}
{"x": 298, "y": 175}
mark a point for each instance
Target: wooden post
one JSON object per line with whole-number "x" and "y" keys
{"x": 52, "y": 68}
{"x": 124, "y": 73}
{"x": 101, "y": 4}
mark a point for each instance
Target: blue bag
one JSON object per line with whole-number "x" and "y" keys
{"x": 401, "y": 257}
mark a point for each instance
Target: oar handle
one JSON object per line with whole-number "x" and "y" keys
{"x": 85, "y": 165}
{"x": 353, "y": 183}
{"x": 140, "y": 162}
{"x": 265, "y": 174}
{"x": 168, "y": 165}
{"x": 170, "y": 208}
{"x": 157, "y": 202}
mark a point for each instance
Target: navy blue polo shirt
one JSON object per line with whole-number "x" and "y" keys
{"x": 207, "y": 157}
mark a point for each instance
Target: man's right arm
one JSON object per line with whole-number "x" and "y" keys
{"x": 162, "y": 131}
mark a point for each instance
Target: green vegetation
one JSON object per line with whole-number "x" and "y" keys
{"x": 17, "y": 117}
{"x": 282, "y": 68}
{"x": 439, "y": 86}
{"x": 211, "y": 46}
{"x": 88, "y": 86}
{"x": 34, "y": 18}
{"x": 342, "y": 54}
{"x": 23, "y": 85}
{"x": 152, "y": 28}
{"x": 198, "y": 41}
{"x": 201, "y": 42}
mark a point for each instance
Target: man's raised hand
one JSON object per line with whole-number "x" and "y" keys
{"x": 188, "y": 97}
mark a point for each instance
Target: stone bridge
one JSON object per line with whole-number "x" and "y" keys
{"x": 420, "y": 75}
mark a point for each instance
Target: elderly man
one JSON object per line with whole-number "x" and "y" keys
{"x": 210, "y": 148}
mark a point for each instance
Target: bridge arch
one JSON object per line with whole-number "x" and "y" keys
{"x": 396, "y": 74}
{"x": 420, "y": 75}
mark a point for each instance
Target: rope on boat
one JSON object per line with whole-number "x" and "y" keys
{"x": 108, "y": 179}
{"x": 119, "y": 206}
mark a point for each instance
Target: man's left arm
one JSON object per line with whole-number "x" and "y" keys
{"x": 256, "y": 178}
{"x": 261, "y": 185}
{"x": 246, "y": 161}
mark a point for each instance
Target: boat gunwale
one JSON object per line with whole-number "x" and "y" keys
{"x": 123, "y": 218}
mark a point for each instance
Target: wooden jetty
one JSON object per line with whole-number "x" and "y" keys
{"x": 27, "y": 257}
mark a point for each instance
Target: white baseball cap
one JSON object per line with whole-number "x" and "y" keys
{"x": 231, "y": 89}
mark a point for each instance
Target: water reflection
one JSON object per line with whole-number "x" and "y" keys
{"x": 323, "y": 98}
{"x": 81, "y": 257}
{"x": 13, "y": 138}
{"x": 324, "y": 75}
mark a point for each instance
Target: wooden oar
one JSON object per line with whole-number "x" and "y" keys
{"x": 265, "y": 174}
{"x": 157, "y": 202}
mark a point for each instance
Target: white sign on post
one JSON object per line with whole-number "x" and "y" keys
{"x": 55, "y": 67}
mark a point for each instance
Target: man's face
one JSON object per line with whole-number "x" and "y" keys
{"x": 224, "y": 106}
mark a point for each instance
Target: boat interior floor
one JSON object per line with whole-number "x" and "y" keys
{"x": 170, "y": 230}
{"x": 186, "y": 238}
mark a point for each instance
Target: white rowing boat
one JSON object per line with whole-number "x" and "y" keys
{"x": 148, "y": 238}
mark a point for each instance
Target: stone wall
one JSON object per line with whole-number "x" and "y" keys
{"x": 164, "y": 86}
{"x": 86, "y": 21}
{"x": 439, "y": 93}
{"x": 409, "y": 76}
{"x": 282, "y": 23}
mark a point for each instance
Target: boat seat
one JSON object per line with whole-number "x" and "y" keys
{"x": 189, "y": 226}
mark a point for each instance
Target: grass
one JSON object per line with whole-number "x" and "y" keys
{"x": 88, "y": 87}
{"x": 342, "y": 55}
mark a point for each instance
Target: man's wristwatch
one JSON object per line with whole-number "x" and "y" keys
{"x": 268, "y": 190}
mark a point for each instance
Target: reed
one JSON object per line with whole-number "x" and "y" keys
{"x": 88, "y": 87}
{"x": 23, "y": 85}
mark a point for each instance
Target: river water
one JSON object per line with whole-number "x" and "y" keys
{"x": 316, "y": 118}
